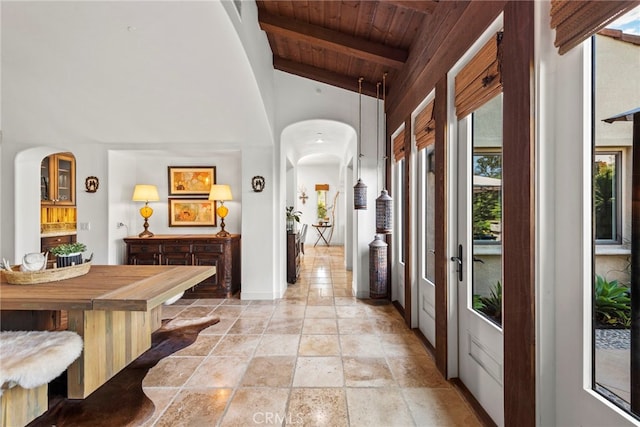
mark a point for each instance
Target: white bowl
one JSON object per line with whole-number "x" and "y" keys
{"x": 33, "y": 262}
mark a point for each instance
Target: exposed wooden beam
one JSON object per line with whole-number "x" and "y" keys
{"x": 519, "y": 215}
{"x": 422, "y": 6}
{"x": 323, "y": 76}
{"x": 333, "y": 40}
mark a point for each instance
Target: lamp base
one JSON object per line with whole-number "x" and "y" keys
{"x": 146, "y": 232}
{"x": 222, "y": 232}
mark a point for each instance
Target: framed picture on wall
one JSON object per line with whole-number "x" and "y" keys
{"x": 192, "y": 213}
{"x": 191, "y": 180}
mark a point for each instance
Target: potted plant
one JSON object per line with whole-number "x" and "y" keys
{"x": 292, "y": 217}
{"x": 68, "y": 254}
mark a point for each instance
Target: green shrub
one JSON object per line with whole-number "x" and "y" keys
{"x": 612, "y": 303}
{"x": 490, "y": 305}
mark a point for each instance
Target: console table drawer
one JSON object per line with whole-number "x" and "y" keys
{"x": 176, "y": 248}
{"x": 143, "y": 249}
{"x": 216, "y": 248}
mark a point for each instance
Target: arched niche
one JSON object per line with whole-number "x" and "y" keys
{"x": 27, "y": 199}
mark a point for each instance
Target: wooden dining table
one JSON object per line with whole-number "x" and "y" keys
{"x": 114, "y": 308}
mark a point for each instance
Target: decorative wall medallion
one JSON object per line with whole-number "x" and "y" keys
{"x": 257, "y": 183}
{"x": 91, "y": 184}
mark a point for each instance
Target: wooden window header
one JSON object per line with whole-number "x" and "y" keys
{"x": 398, "y": 146}
{"x": 576, "y": 21}
{"x": 481, "y": 79}
{"x": 425, "y": 127}
{"x": 321, "y": 187}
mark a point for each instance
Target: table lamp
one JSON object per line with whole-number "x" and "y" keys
{"x": 145, "y": 193}
{"x": 221, "y": 193}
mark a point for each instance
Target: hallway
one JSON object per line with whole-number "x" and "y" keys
{"x": 317, "y": 357}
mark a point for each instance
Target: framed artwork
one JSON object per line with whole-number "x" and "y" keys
{"x": 192, "y": 213}
{"x": 191, "y": 180}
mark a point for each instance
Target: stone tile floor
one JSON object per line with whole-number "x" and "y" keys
{"x": 317, "y": 357}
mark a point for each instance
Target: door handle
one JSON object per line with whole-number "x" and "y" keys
{"x": 458, "y": 260}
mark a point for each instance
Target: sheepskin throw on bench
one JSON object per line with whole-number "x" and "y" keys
{"x": 33, "y": 358}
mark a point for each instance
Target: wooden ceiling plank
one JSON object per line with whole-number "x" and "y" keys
{"x": 365, "y": 21}
{"x": 427, "y": 70}
{"x": 323, "y": 76}
{"x": 421, "y": 6}
{"x": 382, "y": 20}
{"x": 334, "y": 40}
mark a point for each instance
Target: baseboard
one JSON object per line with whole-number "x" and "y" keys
{"x": 430, "y": 348}
{"x": 398, "y": 307}
{"x": 482, "y": 415}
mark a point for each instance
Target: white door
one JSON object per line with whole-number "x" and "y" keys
{"x": 426, "y": 245}
{"x": 479, "y": 256}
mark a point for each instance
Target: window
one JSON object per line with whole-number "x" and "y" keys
{"x": 428, "y": 179}
{"x": 616, "y": 83}
{"x": 486, "y": 218}
{"x": 606, "y": 200}
{"x": 400, "y": 207}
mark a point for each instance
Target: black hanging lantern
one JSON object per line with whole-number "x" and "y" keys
{"x": 378, "y": 268}
{"x": 360, "y": 189}
{"x": 384, "y": 213}
{"x": 360, "y": 195}
{"x": 384, "y": 203}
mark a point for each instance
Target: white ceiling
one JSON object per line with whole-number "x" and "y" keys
{"x": 127, "y": 72}
{"x": 300, "y": 141}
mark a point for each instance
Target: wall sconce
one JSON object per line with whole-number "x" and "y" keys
{"x": 145, "y": 193}
{"x": 221, "y": 193}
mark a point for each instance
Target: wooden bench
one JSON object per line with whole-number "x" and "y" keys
{"x": 30, "y": 360}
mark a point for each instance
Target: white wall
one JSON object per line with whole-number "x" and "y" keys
{"x": 262, "y": 223}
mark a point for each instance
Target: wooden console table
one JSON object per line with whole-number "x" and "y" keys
{"x": 293, "y": 256}
{"x": 114, "y": 308}
{"x": 193, "y": 249}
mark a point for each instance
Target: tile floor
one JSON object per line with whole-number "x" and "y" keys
{"x": 317, "y": 357}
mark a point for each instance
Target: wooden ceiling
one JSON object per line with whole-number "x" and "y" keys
{"x": 336, "y": 42}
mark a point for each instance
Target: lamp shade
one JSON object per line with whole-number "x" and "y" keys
{"x": 145, "y": 193}
{"x": 220, "y": 192}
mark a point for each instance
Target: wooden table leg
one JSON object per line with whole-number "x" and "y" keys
{"x": 112, "y": 340}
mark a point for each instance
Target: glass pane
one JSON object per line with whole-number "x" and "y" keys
{"x": 486, "y": 220}
{"x": 64, "y": 180}
{"x": 44, "y": 179}
{"x": 429, "y": 212}
{"x": 400, "y": 210}
{"x": 616, "y": 83}
{"x": 605, "y": 190}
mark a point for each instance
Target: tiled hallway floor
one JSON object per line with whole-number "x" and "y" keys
{"x": 317, "y": 357}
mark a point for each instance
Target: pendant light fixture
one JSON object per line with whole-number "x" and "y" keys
{"x": 384, "y": 203}
{"x": 360, "y": 189}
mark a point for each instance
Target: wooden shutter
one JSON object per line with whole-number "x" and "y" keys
{"x": 481, "y": 79}
{"x": 398, "y": 146}
{"x": 576, "y": 21}
{"x": 425, "y": 127}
